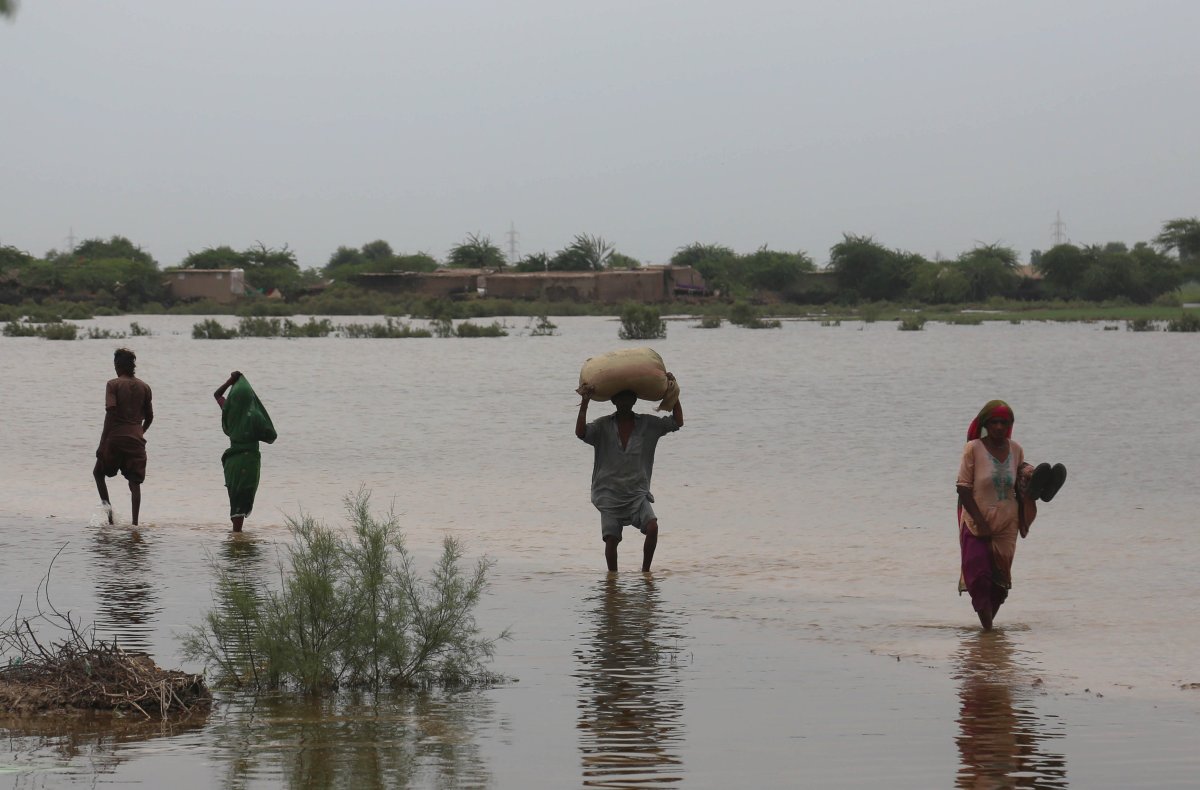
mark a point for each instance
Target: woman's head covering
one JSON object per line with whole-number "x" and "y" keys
{"x": 993, "y": 408}
{"x": 243, "y": 417}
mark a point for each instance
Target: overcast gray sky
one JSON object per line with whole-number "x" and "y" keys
{"x": 930, "y": 124}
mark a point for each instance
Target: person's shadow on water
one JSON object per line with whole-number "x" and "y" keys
{"x": 1002, "y": 739}
{"x": 631, "y": 698}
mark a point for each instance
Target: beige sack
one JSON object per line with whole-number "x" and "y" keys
{"x": 638, "y": 369}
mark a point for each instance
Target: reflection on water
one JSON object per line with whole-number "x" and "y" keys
{"x": 84, "y": 744}
{"x": 631, "y": 699}
{"x": 418, "y": 740}
{"x": 126, "y": 592}
{"x": 1002, "y": 738}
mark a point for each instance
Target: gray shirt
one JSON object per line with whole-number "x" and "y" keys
{"x": 621, "y": 476}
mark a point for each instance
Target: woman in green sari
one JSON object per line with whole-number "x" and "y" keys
{"x": 246, "y": 422}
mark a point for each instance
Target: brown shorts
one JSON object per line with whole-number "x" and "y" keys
{"x": 124, "y": 454}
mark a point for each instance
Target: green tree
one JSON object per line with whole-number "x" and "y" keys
{"x": 866, "y": 269}
{"x": 476, "y": 252}
{"x": 534, "y": 262}
{"x": 619, "y": 260}
{"x": 773, "y": 270}
{"x": 115, "y": 247}
{"x": 717, "y": 264}
{"x": 343, "y": 262}
{"x": 13, "y": 258}
{"x": 1181, "y": 236}
{"x": 1062, "y": 266}
{"x": 938, "y": 283}
{"x": 223, "y": 257}
{"x": 990, "y": 270}
{"x": 584, "y": 253}
{"x": 417, "y": 262}
{"x": 378, "y": 251}
{"x": 267, "y": 267}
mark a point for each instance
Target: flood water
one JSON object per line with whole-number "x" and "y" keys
{"x": 801, "y": 627}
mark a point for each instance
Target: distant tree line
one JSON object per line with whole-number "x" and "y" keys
{"x": 118, "y": 272}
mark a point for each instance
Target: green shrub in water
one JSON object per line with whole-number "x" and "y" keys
{"x": 543, "y": 328}
{"x": 747, "y": 316}
{"x": 21, "y": 329}
{"x": 60, "y": 331}
{"x": 390, "y": 328}
{"x": 96, "y": 333}
{"x": 494, "y": 329}
{"x": 641, "y": 322}
{"x": 211, "y": 329}
{"x": 709, "y": 322}
{"x": 310, "y": 328}
{"x": 1187, "y": 322}
{"x": 259, "y": 326}
{"x": 351, "y": 612}
{"x": 137, "y": 330}
{"x": 912, "y": 323}
{"x": 1141, "y": 325}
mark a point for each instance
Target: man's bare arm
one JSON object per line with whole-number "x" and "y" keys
{"x": 581, "y": 420}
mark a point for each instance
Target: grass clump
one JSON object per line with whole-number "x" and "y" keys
{"x": 390, "y": 328}
{"x": 310, "y": 328}
{"x": 212, "y": 329}
{"x": 259, "y": 326}
{"x": 137, "y": 330}
{"x": 709, "y": 322}
{"x": 96, "y": 333}
{"x": 543, "y": 327}
{"x": 60, "y": 331}
{"x": 21, "y": 329}
{"x": 641, "y": 322}
{"x": 912, "y": 323}
{"x": 351, "y": 612}
{"x": 747, "y": 316}
{"x": 494, "y": 329}
{"x": 1141, "y": 325}
{"x": 1187, "y": 322}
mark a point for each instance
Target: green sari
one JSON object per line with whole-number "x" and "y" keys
{"x": 246, "y": 422}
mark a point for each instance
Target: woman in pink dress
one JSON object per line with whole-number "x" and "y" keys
{"x": 994, "y": 507}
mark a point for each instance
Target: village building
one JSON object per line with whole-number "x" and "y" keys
{"x": 217, "y": 285}
{"x": 440, "y": 284}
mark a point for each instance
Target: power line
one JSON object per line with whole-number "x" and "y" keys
{"x": 512, "y": 244}
{"x": 1060, "y": 227}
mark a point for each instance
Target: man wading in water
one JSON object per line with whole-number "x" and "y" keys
{"x": 624, "y": 443}
{"x": 127, "y": 417}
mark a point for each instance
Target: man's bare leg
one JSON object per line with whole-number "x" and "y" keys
{"x": 650, "y": 544}
{"x": 102, "y": 488}
{"x": 610, "y": 552}
{"x": 135, "y": 500}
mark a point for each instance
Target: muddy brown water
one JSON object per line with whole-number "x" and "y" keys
{"x": 801, "y": 627}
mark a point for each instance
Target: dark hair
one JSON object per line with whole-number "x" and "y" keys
{"x": 124, "y": 360}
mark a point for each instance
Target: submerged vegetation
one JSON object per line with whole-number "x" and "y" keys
{"x": 1187, "y": 322}
{"x": 749, "y": 317}
{"x": 641, "y": 322}
{"x": 912, "y": 323}
{"x": 390, "y": 328}
{"x": 351, "y": 612}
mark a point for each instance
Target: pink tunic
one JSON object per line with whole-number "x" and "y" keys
{"x": 993, "y": 485}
